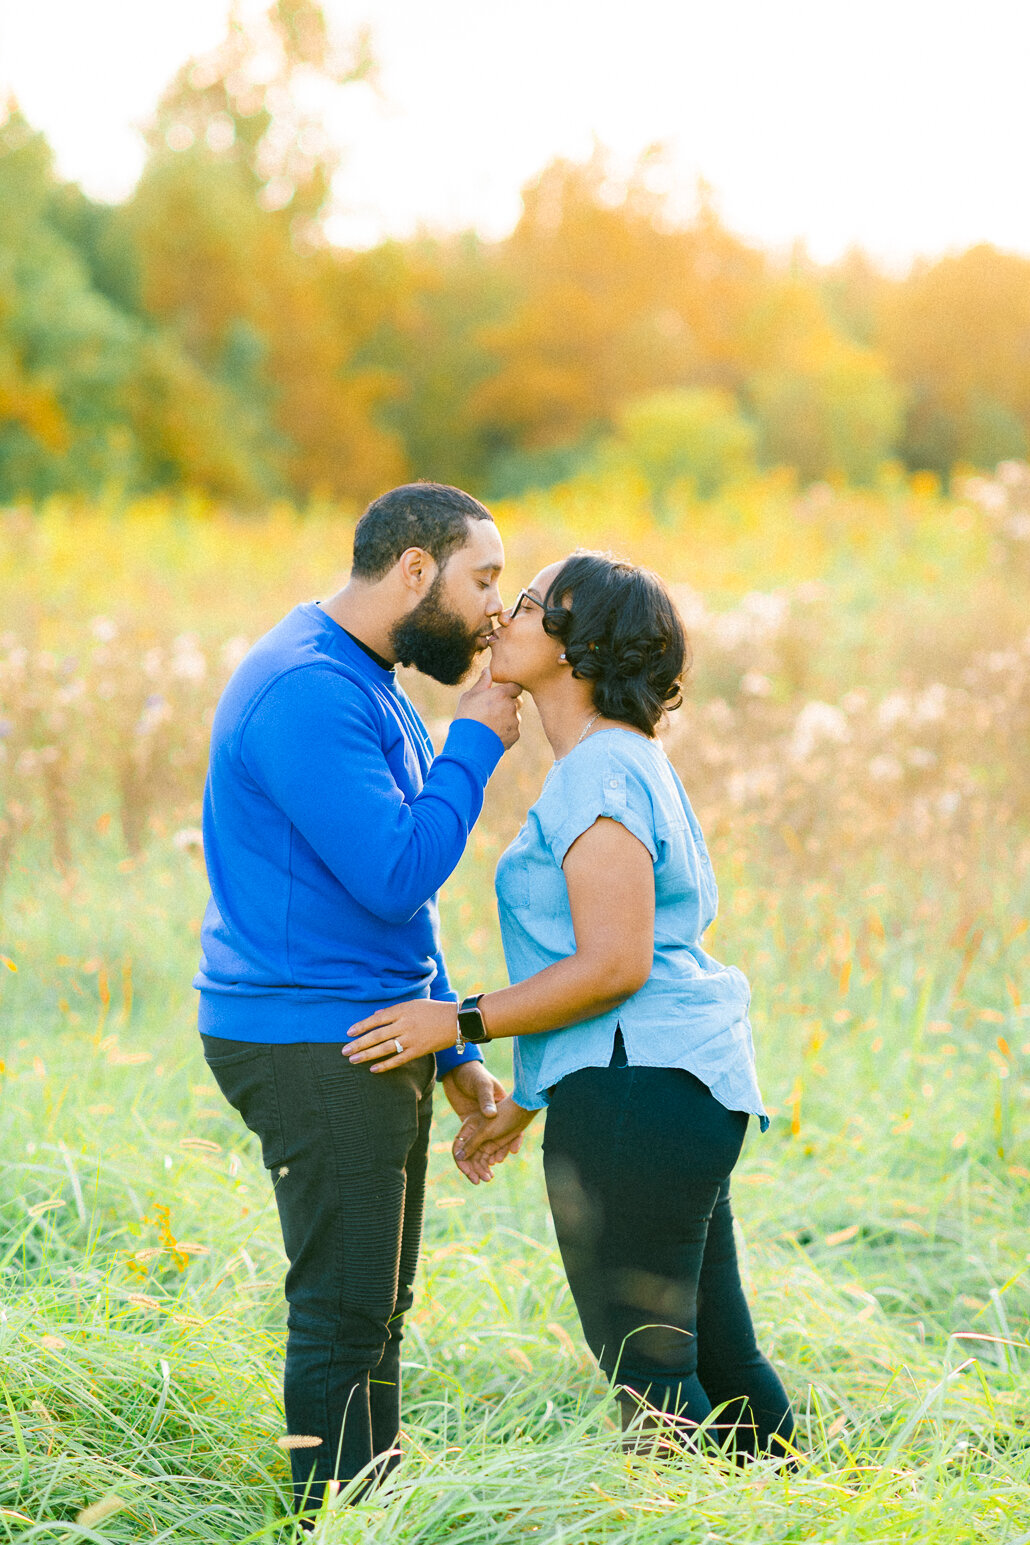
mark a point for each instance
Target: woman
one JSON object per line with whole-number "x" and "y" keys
{"x": 635, "y": 1040}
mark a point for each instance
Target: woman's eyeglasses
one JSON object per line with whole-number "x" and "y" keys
{"x": 520, "y": 601}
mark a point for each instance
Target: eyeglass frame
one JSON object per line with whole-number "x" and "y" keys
{"x": 520, "y": 601}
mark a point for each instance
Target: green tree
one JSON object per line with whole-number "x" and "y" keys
{"x": 92, "y": 393}
{"x": 956, "y": 334}
{"x": 831, "y": 410}
{"x": 225, "y": 223}
{"x": 421, "y": 309}
{"x": 687, "y": 435}
{"x": 246, "y": 103}
{"x": 612, "y": 300}
{"x": 66, "y": 353}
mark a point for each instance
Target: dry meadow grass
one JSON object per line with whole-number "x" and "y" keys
{"x": 855, "y": 742}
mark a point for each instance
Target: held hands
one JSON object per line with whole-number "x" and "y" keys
{"x": 484, "y": 1141}
{"x": 495, "y": 704}
{"x": 474, "y": 1093}
{"x": 420, "y": 1028}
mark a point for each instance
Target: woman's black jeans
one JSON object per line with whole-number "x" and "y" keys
{"x": 347, "y": 1151}
{"x": 637, "y": 1162}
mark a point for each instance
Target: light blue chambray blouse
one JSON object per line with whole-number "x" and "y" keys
{"x": 691, "y": 1012}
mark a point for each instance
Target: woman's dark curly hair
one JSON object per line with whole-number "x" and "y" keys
{"x": 620, "y": 631}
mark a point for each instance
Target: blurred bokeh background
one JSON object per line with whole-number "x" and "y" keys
{"x": 302, "y": 252}
{"x": 740, "y": 291}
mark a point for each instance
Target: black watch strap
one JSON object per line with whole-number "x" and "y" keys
{"x": 470, "y": 1021}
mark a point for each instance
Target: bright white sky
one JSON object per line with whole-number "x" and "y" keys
{"x": 903, "y": 125}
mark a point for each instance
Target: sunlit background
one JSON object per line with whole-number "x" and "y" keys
{"x": 740, "y": 291}
{"x": 900, "y": 126}
{"x": 294, "y": 250}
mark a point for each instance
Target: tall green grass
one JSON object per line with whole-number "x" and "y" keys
{"x": 882, "y": 1218}
{"x": 885, "y": 1248}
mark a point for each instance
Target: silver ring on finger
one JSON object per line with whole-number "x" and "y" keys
{"x": 400, "y": 1047}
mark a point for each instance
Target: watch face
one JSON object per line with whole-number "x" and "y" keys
{"x": 470, "y": 1023}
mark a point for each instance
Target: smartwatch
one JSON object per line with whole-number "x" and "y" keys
{"x": 470, "y": 1022}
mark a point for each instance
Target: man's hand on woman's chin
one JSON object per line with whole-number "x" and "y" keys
{"x": 474, "y": 1095}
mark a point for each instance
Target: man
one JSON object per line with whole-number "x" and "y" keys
{"x": 328, "y": 827}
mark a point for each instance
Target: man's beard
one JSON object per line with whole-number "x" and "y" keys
{"x": 435, "y": 640}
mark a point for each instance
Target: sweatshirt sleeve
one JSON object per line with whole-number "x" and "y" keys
{"x": 314, "y": 744}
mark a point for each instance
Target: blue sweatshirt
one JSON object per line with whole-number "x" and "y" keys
{"x": 328, "y": 827}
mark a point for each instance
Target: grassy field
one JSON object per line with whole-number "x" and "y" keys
{"x": 855, "y": 744}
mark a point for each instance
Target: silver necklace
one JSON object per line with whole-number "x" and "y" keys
{"x": 591, "y": 721}
{"x": 588, "y": 725}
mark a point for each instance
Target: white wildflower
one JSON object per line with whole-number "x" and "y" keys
{"x": 691, "y": 607}
{"x": 816, "y": 724}
{"x": 755, "y": 684}
{"x": 757, "y": 619}
{"x": 894, "y": 710}
{"x": 156, "y": 711}
{"x": 1014, "y": 475}
{"x": 719, "y": 714}
{"x": 188, "y": 839}
{"x": 987, "y": 495}
{"x": 756, "y": 783}
{"x": 920, "y": 756}
{"x": 234, "y": 650}
{"x": 103, "y": 629}
{"x": 738, "y": 788}
{"x": 931, "y": 704}
{"x": 886, "y": 769}
{"x": 187, "y": 662}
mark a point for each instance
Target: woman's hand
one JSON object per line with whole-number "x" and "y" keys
{"x": 391, "y": 1037}
{"x": 481, "y": 1140}
{"x": 474, "y": 1092}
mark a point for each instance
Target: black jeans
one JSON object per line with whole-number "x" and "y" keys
{"x": 347, "y": 1150}
{"x": 637, "y": 1162}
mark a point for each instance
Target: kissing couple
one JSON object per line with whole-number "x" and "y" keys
{"x": 327, "y": 1014}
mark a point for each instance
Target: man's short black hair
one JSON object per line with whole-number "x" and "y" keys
{"x": 429, "y": 515}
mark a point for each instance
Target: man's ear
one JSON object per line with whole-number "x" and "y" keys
{"x": 417, "y": 570}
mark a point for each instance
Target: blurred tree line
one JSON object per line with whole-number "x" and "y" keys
{"x": 205, "y": 335}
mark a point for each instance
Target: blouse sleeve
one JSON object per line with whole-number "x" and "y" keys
{"x": 598, "y": 783}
